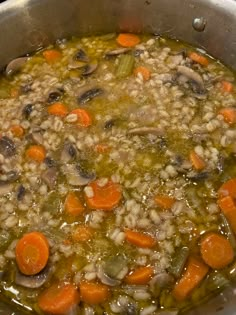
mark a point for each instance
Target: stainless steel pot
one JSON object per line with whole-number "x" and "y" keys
{"x": 27, "y": 25}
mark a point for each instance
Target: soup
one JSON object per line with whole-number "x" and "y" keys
{"x": 117, "y": 181}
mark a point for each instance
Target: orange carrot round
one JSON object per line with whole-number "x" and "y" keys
{"x": 82, "y": 233}
{"x": 15, "y": 92}
{"x": 59, "y": 299}
{"x": 228, "y": 189}
{"x": 32, "y": 253}
{"x": 197, "y": 162}
{"x": 226, "y": 204}
{"x": 195, "y": 272}
{"x": 227, "y": 86}
{"x": 216, "y": 251}
{"x": 228, "y": 207}
{"x": 229, "y": 114}
{"x": 105, "y": 197}
{"x": 145, "y": 72}
{"x": 57, "y": 109}
{"x": 165, "y": 202}
{"x": 127, "y": 40}
{"x": 139, "y": 239}
{"x": 73, "y": 205}
{"x": 94, "y": 293}
{"x": 140, "y": 276}
{"x": 102, "y": 148}
{"x": 17, "y": 131}
{"x": 83, "y": 117}
{"x": 36, "y": 153}
{"x": 52, "y": 55}
{"x": 199, "y": 58}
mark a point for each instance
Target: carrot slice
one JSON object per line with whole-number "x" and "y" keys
{"x": 73, "y": 205}
{"x": 102, "y": 148}
{"x": 229, "y": 114}
{"x": 36, "y": 153}
{"x": 15, "y": 92}
{"x": 17, "y": 131}
{"x": 195, "y": 272}
{"x": 141, "y": 275}
{"x": 227, "y": 86}
{"x": 199, "y": 58}
{"x": 216, "y": 251}
{"x": 228, "y": 207}
{"x": 226, "y": 204}
{"x": 139, "y": 239}
{"x": 94, "y": 293}
{"x": 197, "y": 162}
{"x": 228, "y": 189}
{"x": 105, "y": 197}
{"x": 52, "y": 55}
{"x": 165, "y": 202}
{"x": 59, "y": 299}
{"x": 57, "y": 109}
{"x": 83, "y": 117}
{"x": 127, "y": 40}
{"x": 145, "y": 72}
{"x": 32, "y": 252}
{"x": 82, "y": 233}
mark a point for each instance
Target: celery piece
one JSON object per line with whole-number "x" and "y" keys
{"x": 125, "y": 66}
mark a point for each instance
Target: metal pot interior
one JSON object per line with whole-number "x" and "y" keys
{"x": 27, "y": 25}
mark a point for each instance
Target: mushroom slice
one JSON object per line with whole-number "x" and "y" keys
{"x": 68, "y": 152}
{"x": 75, "y": 64}
{"x": 89, "y": 94}
{"x": 182, "y": 52}
{"x": 15, "y": 65}
{"x": 90, "y": 68}
{"x": 198, "y": 176}
{"x": 105, "y": 278}
{"x": 55, "y": 96}
{"x": 200, "y": 96}
{"x": 21, "y": 191}
{"x": 110, "y": 123}
{"x": 7, "y": 147}
{"x": 33, "y": 282}
{"x": 193, "y": 77}
{"x": 76, "y": 176}
{"x": 81, "y": 56}
{"x": 50, "y": 177}
{"x": 50, "y": 162}
{"x": 9, "y": 177}
{"x": 37, "y": 136}
{"x": 138, "y": 52}
{"x": 114, "y": 265}
{"x": 142, "y": 131}
{"x": 117, "y": 52}
{"x": 27, "y": 110}
{"x": 161, "y": 280}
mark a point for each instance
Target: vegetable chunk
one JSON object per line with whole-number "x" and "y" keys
{"x": 104, "y": 197}
{"x": 195, "y": 272}
{"x": 127, "y": 40}
{"x": 140, "y": 276}
{"x": 59, "y": 299}
{"x": 32, "y": 253}
{"x": 94, "y": 293}
{"x": 139, "y": 239}
{"x": 216, "y": 251}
